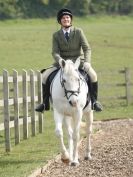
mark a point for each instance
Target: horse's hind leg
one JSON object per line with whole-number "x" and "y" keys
{"x": 59, "y": 132}
{"x": 89, "y": 121}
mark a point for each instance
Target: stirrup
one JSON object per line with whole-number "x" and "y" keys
{"x": 97, "y": 106}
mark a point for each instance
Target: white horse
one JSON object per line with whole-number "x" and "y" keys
{"x": 69, "y": 95}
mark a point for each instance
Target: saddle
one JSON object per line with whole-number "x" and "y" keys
{"x": 53, "y": 74}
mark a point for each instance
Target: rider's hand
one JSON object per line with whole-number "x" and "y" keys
{"x": 86, "y": 66}
{"x": 60, "y": 61}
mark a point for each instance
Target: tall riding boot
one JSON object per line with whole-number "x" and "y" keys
{"x": 94, "y": 93}
{"x": 45, "y": 105}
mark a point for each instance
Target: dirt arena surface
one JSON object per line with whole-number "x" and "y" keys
{"x": 112, "y": 153}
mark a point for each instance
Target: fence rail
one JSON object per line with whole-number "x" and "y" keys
{"x": 125, "y": 82}
{"x": 19, "y": 93}
{"x": 30, "y": 93}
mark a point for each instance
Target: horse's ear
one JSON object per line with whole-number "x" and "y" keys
{"x": 77, "y": 63}
{"x": 62, "y": 63}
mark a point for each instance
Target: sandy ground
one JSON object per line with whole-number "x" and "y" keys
{"x": 112, "y": 154}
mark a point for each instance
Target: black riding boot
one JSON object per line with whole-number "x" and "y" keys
{"x": 93, "y": 88}
{"x": 95, "y": 104}
{"x": 45, "y": 106}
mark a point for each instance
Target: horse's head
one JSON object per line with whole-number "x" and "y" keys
{"x": 70, "y": 80}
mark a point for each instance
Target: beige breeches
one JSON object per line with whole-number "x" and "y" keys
{"x": 88, "y": 68}
{"x": 90, "y": 71}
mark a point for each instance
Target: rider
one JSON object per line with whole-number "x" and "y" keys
{"x": 69, "y": 43}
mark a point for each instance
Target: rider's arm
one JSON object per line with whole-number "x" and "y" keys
{"x": 86, "y": 47}
{"x": 55, "y": 49}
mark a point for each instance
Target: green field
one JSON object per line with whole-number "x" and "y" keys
{"x": 26, "y": 44}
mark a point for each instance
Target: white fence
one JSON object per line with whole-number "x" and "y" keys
{"x": 18, "y": 96}
{"x": 19, "y": 93}
{"x": 117, "y": 85}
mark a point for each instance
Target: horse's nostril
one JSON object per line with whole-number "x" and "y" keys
{"x": 70, "y": 103}
{"x": 73, "y": 103}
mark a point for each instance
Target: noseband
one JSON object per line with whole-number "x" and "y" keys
{"x": 72, "y": 92}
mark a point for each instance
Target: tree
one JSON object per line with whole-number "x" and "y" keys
{"x": 32, "y": 8}
{"x": 46, "y": 8}
{"x": 126, "y": 7}
{"x": 8, "y": 9}
{"x": 55, "y": 5}
{"x": 79, "y": 7}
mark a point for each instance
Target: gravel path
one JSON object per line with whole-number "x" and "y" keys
{"x": 112, "y": 154}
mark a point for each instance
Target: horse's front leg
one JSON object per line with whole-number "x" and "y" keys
{"x": 68, "y": 122}
{"x": 89, "y": 121}
{"x": 59, "y": 132}
{"x": 76, "y": 137}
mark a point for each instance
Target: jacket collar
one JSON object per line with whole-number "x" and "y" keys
{"x": 72, "y": 29}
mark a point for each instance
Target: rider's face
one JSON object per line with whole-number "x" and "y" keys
{"x": 66, "y": 21}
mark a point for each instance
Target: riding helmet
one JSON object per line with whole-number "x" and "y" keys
{"x": 63, "y": 12}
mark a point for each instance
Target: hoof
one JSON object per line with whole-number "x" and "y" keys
{"x": 87, "y": 158}
{"x": 74, "y": 164}
{"x": 66, "y": 161}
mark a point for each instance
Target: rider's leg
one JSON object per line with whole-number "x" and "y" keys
{"x": 45, "y": 105}
{"x": 93, "y": 87}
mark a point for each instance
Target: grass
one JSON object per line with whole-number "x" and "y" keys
{"x": 29, "y": 154}
{"x": 27, "y": 44}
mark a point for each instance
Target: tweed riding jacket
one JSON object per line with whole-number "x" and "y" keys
{"x": 75, "y": 47}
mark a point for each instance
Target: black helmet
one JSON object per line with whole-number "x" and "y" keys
{"x": 63, "y": 12}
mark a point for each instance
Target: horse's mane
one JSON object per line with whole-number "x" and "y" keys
{"x": 69, "y": 68}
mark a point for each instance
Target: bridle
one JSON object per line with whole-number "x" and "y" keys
{"x": 71, "y": 92}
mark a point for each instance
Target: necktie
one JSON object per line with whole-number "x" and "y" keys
{"x": 67, "y": 36}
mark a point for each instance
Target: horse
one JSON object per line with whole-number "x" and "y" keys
{"x": 69, "y": 94}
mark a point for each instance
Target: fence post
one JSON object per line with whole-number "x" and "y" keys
{"x": 32, "y": 91}
{"x": 6, "y": 111}
{"x": 25, "y": 105}
{"x": 127, "y": 80}
{"x": 16, "y": 107}
{"x": 39, "y": 76}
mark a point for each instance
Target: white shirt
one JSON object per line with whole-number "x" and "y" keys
{"x": 64, "y": 31}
